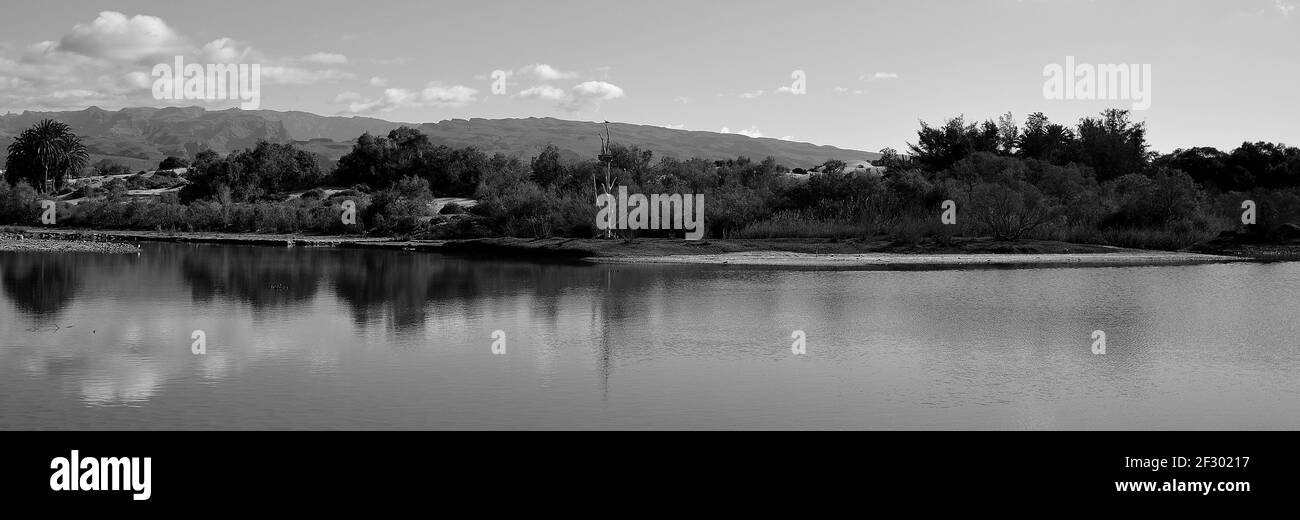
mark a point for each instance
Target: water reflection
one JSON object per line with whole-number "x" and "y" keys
{"x": 336, "y": 338}
{"x": 40, "y": 285}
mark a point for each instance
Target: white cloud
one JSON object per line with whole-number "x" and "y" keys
{"x": 752, "y": 131}
{"x": 377, "y": 81}
{"x": 584, "y": 95}
{"x": 598, "y": 90}
{"x": 1285, "y": 7}
{"x": 115, "y": 36}
{"x": 590, "y": 94}
{"x": 139, "y": 80}
{"x": 546, "y": 92}
{"x": 546, "y": 72}
{"x": 433, "y": 95}
{"x": 682, "y": 99}
{"x": 448, "y": 96}
{"x": 226, "y": 50}
{"x": 326, "y": 58}
{"x": 108, "y": 61}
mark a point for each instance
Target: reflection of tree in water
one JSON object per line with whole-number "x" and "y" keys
{"x": 262, "y": 277}
{"x": 404, "y": 286}
{"x": 41, "y": 284}
{"x": 401, "y": 285}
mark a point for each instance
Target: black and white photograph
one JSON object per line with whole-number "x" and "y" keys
{"x": 931, "y": 223}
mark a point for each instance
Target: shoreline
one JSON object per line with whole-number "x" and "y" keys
{"x": 796, "y": 254}
{"x": 16, "y": 243}
{"x": 932, "y": 262}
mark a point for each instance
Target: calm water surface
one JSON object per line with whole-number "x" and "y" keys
{"x": 344, "y": 339}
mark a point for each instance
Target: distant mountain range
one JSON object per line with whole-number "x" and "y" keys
{"x": 141, "y": 137}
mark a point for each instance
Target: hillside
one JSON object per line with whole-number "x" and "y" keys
{"x": 140, "y": 137}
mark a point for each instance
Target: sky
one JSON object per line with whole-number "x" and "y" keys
{"x": 856, "y": 74}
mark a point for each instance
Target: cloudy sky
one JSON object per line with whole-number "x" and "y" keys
{"x": 1222, "y": 71}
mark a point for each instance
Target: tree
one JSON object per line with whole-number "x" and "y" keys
{"x": 1207, "y": 166}
{"x": 1045, "y": 140}
{"x": 249, "y": 175}
{"x": 938, "y": 148}
{"x": 1266, "y": 165}
{"x": 1164, "y": 197}
{"x": 1112, "y": 145}
{"x": 835, "y": 166}
{"x": 548, "y": 170}
{"x": 1008, "y": 132}
{"x": 172, "y": 163}
{"x": 45, "y": 155}
{"x": 1011, "y": 210}
{"x": 380, "y": 162}
{"x": 106, "y": 167}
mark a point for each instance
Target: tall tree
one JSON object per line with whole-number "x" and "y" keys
{"x": 1113, "y": 145}
{"x": 938, "y": 148}
{"x": 1042, "y": 139}
{"x": 45, "y": 155}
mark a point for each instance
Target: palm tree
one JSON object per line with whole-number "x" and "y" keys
{"x": 46, "y": 154}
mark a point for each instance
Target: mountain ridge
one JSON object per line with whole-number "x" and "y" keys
{"x": 141, "y": 136}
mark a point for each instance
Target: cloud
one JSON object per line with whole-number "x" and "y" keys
{"x": 546, "y": 72}
{"x": 115, "y": 36}
{"x": 108, "y": 61}
{"x": 377, "y": 81}
{"x": 326, "y": 58}
{"x": 582, "y": 96}
{"x": 682, "y": 99}
{"x": 752, "y": 131}
{"x": 546, "y": 92}
{"x": 448, "y": 96}
{"x": 599, "y": 90}
{"x": 880, "y": 76}
{"x": 1285, "y": 7}
{"x": 752, "y": 95}
{"x": 226, "y": 50}
{"x": 433, "y": 95}
{"x": 589, "y": 94}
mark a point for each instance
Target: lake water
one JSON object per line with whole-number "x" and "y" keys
{"x": 350, "y": 339}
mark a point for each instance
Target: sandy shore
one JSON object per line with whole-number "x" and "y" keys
{"x": 892, "y": 261}
{"x": 18, "y": 243}
{"x": 780, "y": 254}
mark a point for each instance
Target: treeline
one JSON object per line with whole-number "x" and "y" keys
{"x": 1094, "y": 182}
{"x": 1098, "y": 182}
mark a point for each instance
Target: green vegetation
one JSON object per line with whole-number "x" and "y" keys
{"x": 1096, "y": 183}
